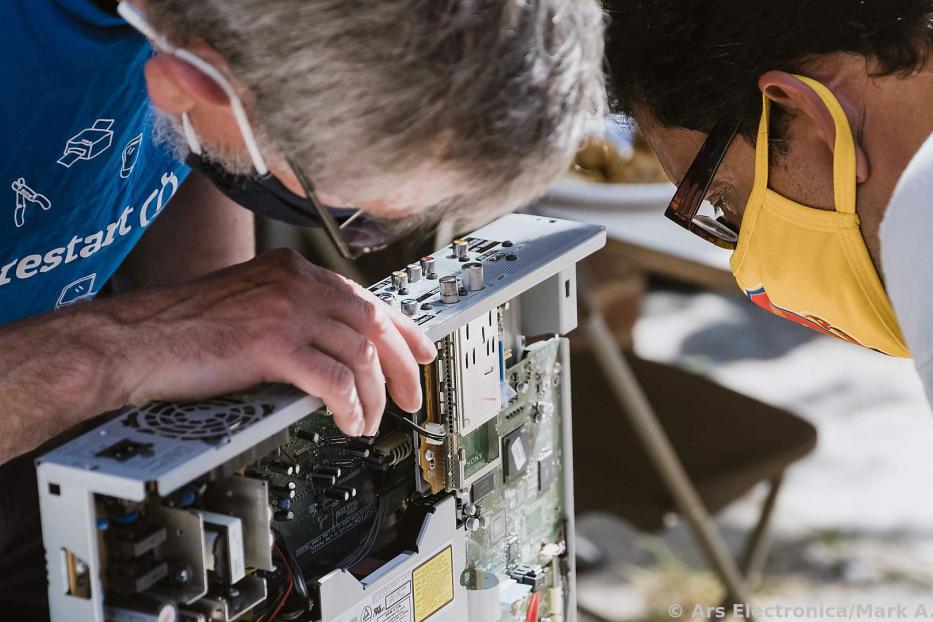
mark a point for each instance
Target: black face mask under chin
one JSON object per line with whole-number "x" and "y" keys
{"x": 264, "y": 195}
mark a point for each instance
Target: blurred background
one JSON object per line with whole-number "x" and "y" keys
{"x": 777, "y": 461}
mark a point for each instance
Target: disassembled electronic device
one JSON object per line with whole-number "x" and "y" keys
{"x": 255, "y": 507}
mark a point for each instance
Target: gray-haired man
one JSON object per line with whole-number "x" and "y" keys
{"x": 404, "y": 108}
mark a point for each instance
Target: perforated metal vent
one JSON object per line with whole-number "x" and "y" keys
{"x": 211, "y": 421}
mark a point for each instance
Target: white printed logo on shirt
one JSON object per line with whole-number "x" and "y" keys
{"x": 88, "y": 143}
{"x": 26, "y": 196}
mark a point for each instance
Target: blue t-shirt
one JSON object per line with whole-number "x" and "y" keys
{"x": 80, "y": 176}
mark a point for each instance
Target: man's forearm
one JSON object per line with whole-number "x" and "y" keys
{"x": 58, "y": 370}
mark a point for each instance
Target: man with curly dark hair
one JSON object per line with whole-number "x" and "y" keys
{"x": 807, "y": 125}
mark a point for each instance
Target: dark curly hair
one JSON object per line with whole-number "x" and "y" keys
{"x": 691, "y": 63}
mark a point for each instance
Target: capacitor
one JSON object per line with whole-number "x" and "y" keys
{"x": 450, "y": 292}
{"x": 327, "y": 480}
{"x": 284, "y": 503}
{"x": 307, "y": 435}
{"x": 473, "y": 278}
{"x": 338, "y": 494}
{"x": 357, "y": 453}
{"x": 472, "y": 524}
{"x": 329, "y": 470}
{"x": 410, "y": 307}
{"x": 351, "y": 492}
{"x": 414, "y": 272}
{"x": 461, "y": 250}
{"x": 470, "y": 509}
{"x": 282, "y": 491}
{"x": 280, "y": 466}
{"x": 400, "y": 281}
{"x": 283, "y": 515}
{"x": 427, "y": 266}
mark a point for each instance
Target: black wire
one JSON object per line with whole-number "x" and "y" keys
{"x": 274, "y": 602}
{"x": 417, "y": 428}
{"x": 298, "y": 577}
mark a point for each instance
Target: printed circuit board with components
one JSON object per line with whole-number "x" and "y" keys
{"x": 255, "y": 507}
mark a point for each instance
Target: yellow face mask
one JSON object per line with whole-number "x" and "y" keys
{"x": 809, "y": 265}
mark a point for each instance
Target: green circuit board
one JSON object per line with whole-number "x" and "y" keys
{"x": 523, "y": 510}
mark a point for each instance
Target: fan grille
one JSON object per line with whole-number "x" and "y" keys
{"x": 211, "y": 421}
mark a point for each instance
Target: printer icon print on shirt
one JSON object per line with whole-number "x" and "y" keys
{"x": 88, "y": 143}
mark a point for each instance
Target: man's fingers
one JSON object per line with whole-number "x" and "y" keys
{"x": 319, "y": 374}
{"x": 371, "y": 318}
{"x": 422, "y": 348}
{"x": 344, "y": 344}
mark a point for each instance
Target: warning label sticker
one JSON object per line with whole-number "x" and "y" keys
{"x": 389, "y": 603}
{"x": 433, "y": 584}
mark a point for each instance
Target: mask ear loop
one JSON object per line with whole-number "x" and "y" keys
{"x": 844, "y": 173}
{"x": 194, "y": 143}
{"x": 135, "y": 17}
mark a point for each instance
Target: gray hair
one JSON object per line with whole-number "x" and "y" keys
{"x": 496, "y": 91}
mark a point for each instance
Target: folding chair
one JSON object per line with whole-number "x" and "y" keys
{"x": 677, "y": 442}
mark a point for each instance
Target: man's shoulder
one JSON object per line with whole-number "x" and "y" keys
{"x": 907, "y": 255}
{"x": 909, "y": 217}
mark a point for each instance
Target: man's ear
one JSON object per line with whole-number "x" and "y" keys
{"x": 796, "y": 97}
{"x": 176, "y": 86}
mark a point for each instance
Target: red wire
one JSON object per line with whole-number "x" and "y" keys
{"x": 288, "y": 591}
{"x": 533, "y": 608}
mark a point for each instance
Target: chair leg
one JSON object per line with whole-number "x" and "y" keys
{"x": 756, "y": 547}
{"x": 638, "y": 409}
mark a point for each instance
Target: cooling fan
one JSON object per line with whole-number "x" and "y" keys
{"x": 211, "y": 421}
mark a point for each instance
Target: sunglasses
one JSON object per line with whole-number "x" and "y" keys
{"x": 684, "y": 208}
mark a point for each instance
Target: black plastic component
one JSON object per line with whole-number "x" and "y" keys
{"x": 357, "y": 453}
{"x": 324, "y": 478}
{"x": 136, "y": 576}
{"x": 126, "y": 449}
{"x": 483, "y": 486}
{"x": 305, "y": 435}
{"x": 135, "y": 540}
{"x": 515, "y": 451}
{"x": 530, "y": 575}
{"x": 338, "y": 494}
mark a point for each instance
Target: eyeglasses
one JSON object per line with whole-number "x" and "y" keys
{"x": 685, "y": 206}
{"x": 355, "y": 235}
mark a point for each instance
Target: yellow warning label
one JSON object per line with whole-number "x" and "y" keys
{"x": 433, "y": 584}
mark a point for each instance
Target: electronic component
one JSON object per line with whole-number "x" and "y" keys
{"x": 547, "y": 471}
{"x": 473, "y": 276}
{"x": 515, "y": 452}
{"x": 255, "y": 506}
{"x": 414, "y": 272}
{"x": 450, "y": 291}
{"x": 461, "y": 249}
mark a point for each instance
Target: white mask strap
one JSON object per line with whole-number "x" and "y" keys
{"x": 135, "y": 17}
{"x": 194, "y": 143}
